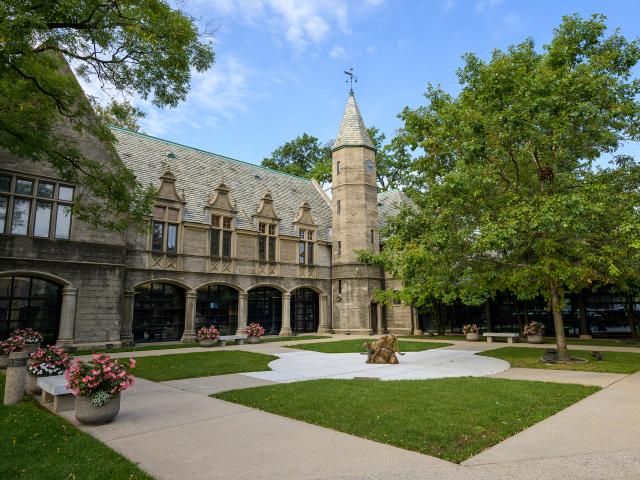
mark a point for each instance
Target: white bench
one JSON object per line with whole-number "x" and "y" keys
{"x": 509, "y": 336}
{"x": 55, "y": 391}
{"x": 239, "y": 339}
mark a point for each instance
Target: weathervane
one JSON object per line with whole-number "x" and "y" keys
{"x": 352, "y": 78}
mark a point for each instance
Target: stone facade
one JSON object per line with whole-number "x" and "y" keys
{"x": 232, "y": 242}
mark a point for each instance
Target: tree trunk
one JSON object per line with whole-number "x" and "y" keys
{"x": 556, "y": 309}
{"x": 519, "y": 317}
{"x": 631, "y": 317}
{"x": 582, "y": 314}
{"x": 487, "y": 315}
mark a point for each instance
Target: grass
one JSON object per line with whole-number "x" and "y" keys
{"x": 452, "y": 418}
{"x": 35, "y": 443}
{"x": 355, "y": 346}
{"x": 614, "y": 362}
{"x": 601, "y": 342}
{"x": 162, "y": 368}
{"x": 171, "y": 346}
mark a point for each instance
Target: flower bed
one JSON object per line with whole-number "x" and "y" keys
{"x": 208, "y": 333}
{"x": 255, "y": 330}
{"x": 27, "y": 335}
{"x": 473, "y": 328}
{"x": 533, "y": 328}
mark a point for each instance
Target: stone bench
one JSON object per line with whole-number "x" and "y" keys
{"x": 239, "y": 339}
{"x": 55, "y": 392}
{"x": 509, "y": 336}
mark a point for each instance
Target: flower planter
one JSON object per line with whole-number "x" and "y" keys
{"x": 208, "y": 342}
{"x": 253, "y": 339}
{"x": 30, "y": 347}
{"x": 534, "y": 338}
{"x": 89, "y": 414}
{"x": 473, "y": 337}
{"x": 4, "y": 361}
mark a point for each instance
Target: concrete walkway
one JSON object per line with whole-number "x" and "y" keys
{"x": 561, "y": 376}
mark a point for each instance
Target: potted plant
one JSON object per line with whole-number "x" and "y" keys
{"x": 534, "y": 331}
{"x": 8, "y": 346}
{"x": 30, "y": 338}
{"x": 46, "y": 362}
{"x": 97, "y": 384}
{"x": 254, "y": 332}
{"x": 472, "y": 332}
{"x": 208, "y": 336}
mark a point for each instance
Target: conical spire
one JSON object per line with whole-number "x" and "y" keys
{"x": 352, "y": 130}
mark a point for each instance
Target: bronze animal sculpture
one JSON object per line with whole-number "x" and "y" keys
{"x": 382, "y": 350}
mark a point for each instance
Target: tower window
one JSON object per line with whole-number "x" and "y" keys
{"x": 339, "y": 286}
{"x": 339, "y": 252}
{"x": 338, "y": 206}
{"x": 372, "y": 236}
{"x": 338, "y": 168}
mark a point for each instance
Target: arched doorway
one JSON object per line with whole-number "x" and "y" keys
{"x": 217, "y": 305}
{"x": 305, "y": 315}
{"x": 265, "y": 308}
{"x": 158, "y": 313}
{"x": 30, "y": 302}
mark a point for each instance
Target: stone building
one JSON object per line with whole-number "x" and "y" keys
{"x": 228, "y": 243}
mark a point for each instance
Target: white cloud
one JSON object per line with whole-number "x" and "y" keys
{"x": 448, "y": 5}
{"x": 371, "y": 50}
{"x": 300, "y": 22}
{"x": 337, "y": 52}
{"x": 483, "y": 5}
{"x": 217, "y": 94}
{"x": 513, "y": 21}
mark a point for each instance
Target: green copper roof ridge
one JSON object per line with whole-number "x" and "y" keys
{"x": 208, "y": 153}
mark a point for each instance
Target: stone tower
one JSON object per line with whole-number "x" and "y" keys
{"x": 355, "y": 225}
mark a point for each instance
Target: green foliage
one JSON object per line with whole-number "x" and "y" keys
{"x": 306, "y": 157}
{"x": 449, "y": 418}
{"x": 119, "y": 114}
{"x": 508, "y": 198}
{"x": 143, "y": 47}
{"x": 355, "y": 346}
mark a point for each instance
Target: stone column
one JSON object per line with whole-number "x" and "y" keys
{"x": 67, "y": 317}
{"x": 379, "y": 308}
{"x": 243, "y": 312}
{"x": 323, "y": 324}
{"x": 16, "y": 378}
{"x": 285, "y": 331}
{"x": 189, "y": 334}
{"x": 126, "y": 328}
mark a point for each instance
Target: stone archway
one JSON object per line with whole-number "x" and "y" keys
{"x": 265, "y": 308}
{"x": 158, "y": 312}
{"x": 218, "y": 305}
{"x": 305, "y": 310}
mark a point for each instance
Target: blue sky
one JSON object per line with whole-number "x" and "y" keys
{"x": 280, "y": 63}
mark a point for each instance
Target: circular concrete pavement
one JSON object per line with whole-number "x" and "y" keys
{"x": 435, "y": 363}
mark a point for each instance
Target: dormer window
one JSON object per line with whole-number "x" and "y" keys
{"x": 165, "y": 229}
{"x": 267, "y": 242}
{"x": 305, "y": 247}
{"x": 221, "y": 236}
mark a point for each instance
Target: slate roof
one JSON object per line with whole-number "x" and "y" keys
{"x": 198, "y": 173}
{"x": 352, "y": 129}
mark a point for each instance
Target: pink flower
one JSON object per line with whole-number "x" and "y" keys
{"x": 132, "y": 363}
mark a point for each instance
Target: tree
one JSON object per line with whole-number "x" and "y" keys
{"x": 145, "y": 47}
{"x": 119, "y": 114}
{"x": 303, "y": 156}
{"x": 306, "y": 157}
{"x": 510, "y": 200}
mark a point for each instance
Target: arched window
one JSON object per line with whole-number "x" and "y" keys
{"x": 304, "y": 311}
{"x": 30, "y": 302}
{"x": 265, "y": 308}
{"x": 158, "y": 314}
{"x": 218, "y": 305}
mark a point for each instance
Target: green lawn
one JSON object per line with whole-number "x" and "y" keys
{"x": 614, "y": 362}
{"x": 36, "y": 444}
{"x": 200, "y": 364}
{"x": 452, "y": 418}
{"x": 171, "y": 346}
{"x": 601, "y": 342}
{"x": 355, "y": 345}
